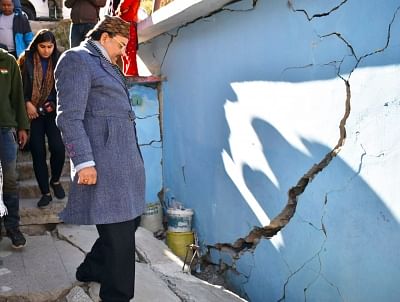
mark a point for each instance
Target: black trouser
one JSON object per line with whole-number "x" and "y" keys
{"x": 112, "y": 260}
{"x": 41, "y": 126}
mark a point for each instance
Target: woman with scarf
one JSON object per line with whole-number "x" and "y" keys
{"x": 37, "y": 65}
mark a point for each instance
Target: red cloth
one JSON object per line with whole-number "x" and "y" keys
{"x": 129, "y": 59}
{"x": 128, "y": 10}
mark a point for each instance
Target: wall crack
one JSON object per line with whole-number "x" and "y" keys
{"x": 249, "y": 242}
{"x": 151, "y": 143}
{"x": 291, "y": 5}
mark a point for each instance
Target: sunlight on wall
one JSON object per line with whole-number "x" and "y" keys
{"x": 275, "y": 103}
{"x": 311, "y": 111}
{"x": 142, "y": 68}
{"x": 235, "y": 172}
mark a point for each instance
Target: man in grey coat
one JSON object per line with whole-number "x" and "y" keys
{"x": 97, "y": 125}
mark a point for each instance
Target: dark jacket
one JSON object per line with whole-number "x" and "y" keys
{"x": 22, "y": 31}
{"x": 12, "y": 105}
{"x": 84, "y": 11}
{"x": 27, "y": 78}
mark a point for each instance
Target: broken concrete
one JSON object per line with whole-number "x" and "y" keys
{"x": 77, "y": 294}
{"x": 44, "y": 270}
{"x": 169, "y": 267}
{"x": 82, "y": 236}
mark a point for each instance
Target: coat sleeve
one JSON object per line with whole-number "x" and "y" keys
{"x": 17, "y": 96}
{"x": 73, "y": 82}
{"x": 28, "y": 34}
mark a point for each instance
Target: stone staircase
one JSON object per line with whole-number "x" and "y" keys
{"x": 35, "y": 221}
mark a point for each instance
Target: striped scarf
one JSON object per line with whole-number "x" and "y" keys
{"x": 114, "y": 66}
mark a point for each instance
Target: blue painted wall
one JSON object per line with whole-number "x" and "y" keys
{"x": 147, "y": 110}
{"x": 253, "y": 100}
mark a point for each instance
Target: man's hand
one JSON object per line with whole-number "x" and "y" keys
{"x": 87, "y": 176}
{"x": 22, "y": 138}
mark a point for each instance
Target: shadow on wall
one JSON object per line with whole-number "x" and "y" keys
{"x": 334, "y": 245}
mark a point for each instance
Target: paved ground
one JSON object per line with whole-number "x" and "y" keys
{"x": 44, "y": 271}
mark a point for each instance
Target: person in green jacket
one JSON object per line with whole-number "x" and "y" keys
{"x": 14, "y": 125}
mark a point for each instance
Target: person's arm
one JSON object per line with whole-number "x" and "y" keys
{"x": 17, "y": 96}
{"x": 17, "y": 6}
{"x": 73, "y": 83}
{"x": 26, "y": 82}
{"x": 28, "y": 34}
{"x": 27, "y": 86}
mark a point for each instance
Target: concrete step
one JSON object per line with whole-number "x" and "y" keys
{"x": 24, "y": 156}
{"x": 25, "y": 169}
{"x": 31, "y": 215}
{"x": 30, "y": 189}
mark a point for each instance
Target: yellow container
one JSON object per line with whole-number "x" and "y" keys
{"x": 178, "y": 242}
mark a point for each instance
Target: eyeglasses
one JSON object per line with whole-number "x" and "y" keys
{"x": 121, "y": 44}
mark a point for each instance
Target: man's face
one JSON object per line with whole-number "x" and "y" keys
{"x": 115, "y": 46}
{"x": 7, "y": 6}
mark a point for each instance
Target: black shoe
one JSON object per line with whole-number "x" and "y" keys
{"x": 83, "y": 276}
{"x": 58, "y": 190}
{"x": 18, "y": 240}
{"x": 44, "y": 201}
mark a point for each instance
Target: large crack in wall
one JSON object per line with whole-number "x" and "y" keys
{"x": 323, "y": 229}
{"x": 282, "y": 219}
{"x": 250, "y": 242}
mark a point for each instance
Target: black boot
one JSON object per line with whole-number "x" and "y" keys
{"x": 18, "y": 240}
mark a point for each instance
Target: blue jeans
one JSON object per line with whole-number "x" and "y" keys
{"x": 78, "y": 33}
{"x": 8, "y": 157}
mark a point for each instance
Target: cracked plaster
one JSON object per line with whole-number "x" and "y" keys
{"x": 345, "y": 67}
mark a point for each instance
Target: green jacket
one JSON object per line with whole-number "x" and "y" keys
{"x": 12, "y": 104}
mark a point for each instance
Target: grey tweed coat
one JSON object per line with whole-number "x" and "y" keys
{"x": 97, "y": 124}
